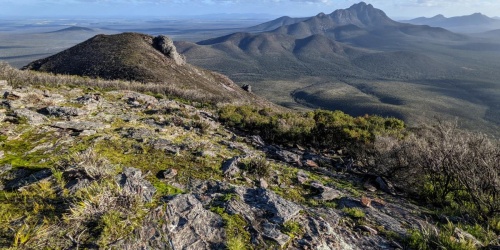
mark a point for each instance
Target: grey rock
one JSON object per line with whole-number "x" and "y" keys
{"x": 263, "y": 183}
{"x": 5, "y": 168}
{"x": 138, "y": 134}
{"x": 2, "y": 116}
{"x": 272, "y": 231}
{"x": 278, "y": 209}
{"x": 3, "y": 83}
{"x": 319, "y": 231}
{"x": 385, "y": 185}
{"x": 89, "y": 99}
{"x": 257, "y": 141}
{"x": 368, "y": 229}
{"x": 131, "y": 181}
{"x": 230, "y": 167}
{"x": 137, "y": 99}
{"x": 369, "y": 186}
{"x": 166, "y": 46}
{"x": 1, "y": 156}
{"x": 87, "y": 133}
{"x": 326, "y": 193}
{"x": 33, "y": 117}
{"x": 63, "y": 111}
{"x": 283, "y": 155}
{"x": 165, "y": 145}
{"x": 302, "y": 177}
{"x": 169, "y": 173}
{"x": 247, "y": 88}
{"x": 80, "y": 126}
{"x": 187, "y": 225}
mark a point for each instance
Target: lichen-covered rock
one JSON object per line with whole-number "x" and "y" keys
{"x": 325, "y": 193}
{"x": 63, "y": 111}
{"x": 80, "y": 126}
{"x": 32, "y": 117}
{"x": 230, "y": 167}
{"x": 183, "y": 224}
{"x": 131, "y": 180}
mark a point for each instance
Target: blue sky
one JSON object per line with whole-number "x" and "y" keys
{"x": 165, "y": 8}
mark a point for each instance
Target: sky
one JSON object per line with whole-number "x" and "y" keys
{"x": 396, "y": 9}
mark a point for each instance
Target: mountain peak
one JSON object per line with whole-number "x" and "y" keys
{"x": 362, "y": 15}
{"x": 361, "y": 6}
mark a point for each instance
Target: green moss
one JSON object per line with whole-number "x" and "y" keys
{"x": 291, "y": 228}
{"x": 355, "y": 213}
{"x": 20, "y": 153}
{"x": 238, "y": 237}
{"x": 163, "y": 189}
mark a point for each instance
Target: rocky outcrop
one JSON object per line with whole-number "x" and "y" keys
{"x": 131, "y": 181}
{"x": 183, "y": 224}
{"x": 166, "y": 46}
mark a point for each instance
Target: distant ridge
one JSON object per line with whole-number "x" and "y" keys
{"x": 143, "y": 58}
{"x": 73, "y": 28}
{"x": 276, "y": 23}
{"x": 476, "y": 22}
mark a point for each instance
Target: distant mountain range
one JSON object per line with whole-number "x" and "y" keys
{"x": 474, "y": 23}
{"x": 359, "y": 60}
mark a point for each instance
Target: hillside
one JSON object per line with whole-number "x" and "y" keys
{"x": 372, "y": 56}
{"x": 142, "y": 58}
{"x": 84, "y": 166}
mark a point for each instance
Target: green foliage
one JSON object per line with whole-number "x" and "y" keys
{"x": 429, "y": 238}
{"x": 320, "y": 128}
{"x": 355, "y": 213}
{"x": 258, "y": 167}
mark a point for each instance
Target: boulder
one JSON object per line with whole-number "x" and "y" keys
{"x": 166, "y": 46}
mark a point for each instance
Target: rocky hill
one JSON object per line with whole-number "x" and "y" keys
{"x": 142, "y": 58}
{"x": 89, "y": 167}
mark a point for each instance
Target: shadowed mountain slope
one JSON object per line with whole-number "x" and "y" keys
{"x": 143, "y": 58}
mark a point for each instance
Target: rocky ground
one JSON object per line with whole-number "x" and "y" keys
{"x": 87, "y": 168}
